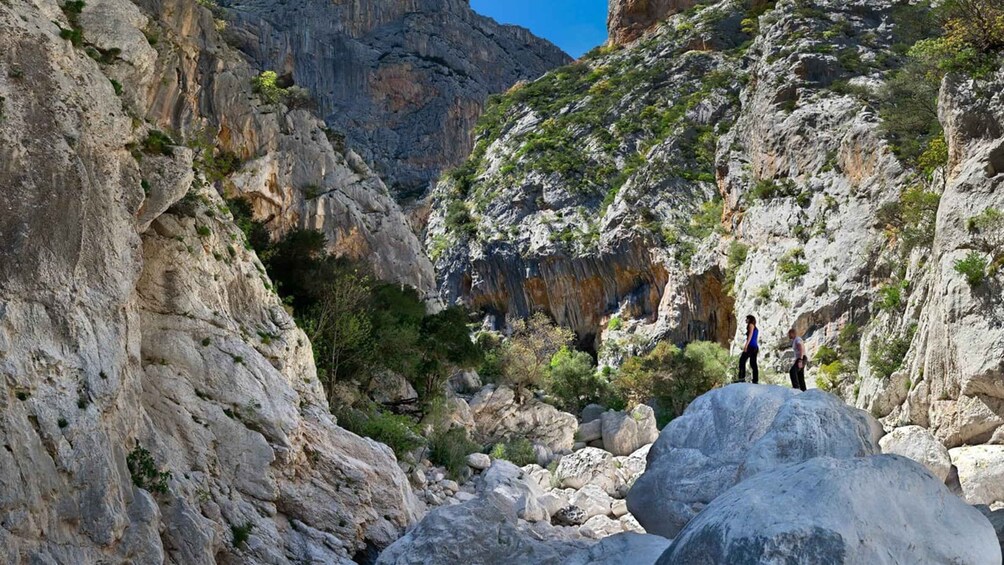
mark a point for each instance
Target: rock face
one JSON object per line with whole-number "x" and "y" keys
{"x": 142, "y": 421}
{"x": 955, "y": 359}
{"x": 731, "y": 434}
{"x": 403, "y": 81}
{"x": 718, "y": 168}
{"x": 294, "y": 173}
{"x": 499, "y": 416}
{"x": 883, "y": 510}
{"x": 914, "y": 442}
{"x": 628, "y": 19}
{"x": 559, "y": 205}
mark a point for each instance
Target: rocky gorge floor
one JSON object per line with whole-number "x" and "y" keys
{"x": 748, "y": 471}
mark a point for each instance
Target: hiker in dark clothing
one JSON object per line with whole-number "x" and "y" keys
{"x": 797, "y": 372}
{"x": 750, "y": 350}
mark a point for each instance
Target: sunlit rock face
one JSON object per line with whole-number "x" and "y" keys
{"x": 159, "y": 403}
{"x": 403, "y": 81}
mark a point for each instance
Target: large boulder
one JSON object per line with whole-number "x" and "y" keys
{"x": 981, "y": 472}
{"x": 517, "y": 487}
{"x": 733, "y": 433}
{"x": 626, "y": 432}
{"x": 587, "y": 466}
{"x": 498, "y": 415}
{"x": 919, "y": 444}
{"x": 880, "y": 510}
{"x": 627, "y": 548}
{"x": 483, "y": 530}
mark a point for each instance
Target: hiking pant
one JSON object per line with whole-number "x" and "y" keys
{"x": 797, "y": 375}
{"x": 751, "y": 355}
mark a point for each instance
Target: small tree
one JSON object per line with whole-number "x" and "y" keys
{"x": 573, "y": 381}
{"x": 674, "y": 377}
{"x": 339, "y": 326}
{"x": 526, "y": 356}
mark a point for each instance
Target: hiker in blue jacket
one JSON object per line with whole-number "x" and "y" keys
{"x": 750, "y": 350}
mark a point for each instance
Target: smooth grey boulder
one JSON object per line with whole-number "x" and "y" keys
{"x": 628, "y": 548}
{"x": 732, "y": 433}
{"x": 880, "y": 510}
{"x": 517, "y": 487}
{"x": 919, "y": 444}
{"x": 484, "y": 530}
{"x": 589, "y": 431}
{"x": 626, "y": 432}
{"x": 592, "y": 412}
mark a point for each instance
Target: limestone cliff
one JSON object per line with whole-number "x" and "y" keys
{"x": 403, "y": 81}
{"x": 158, "y": 403}
{"x": 294, "y": 171}
{"x": 734, "y": 160}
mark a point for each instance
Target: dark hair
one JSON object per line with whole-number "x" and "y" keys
{"x": 751, "y": 320}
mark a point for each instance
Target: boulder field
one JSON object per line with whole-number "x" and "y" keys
{"x": 747, "y": 475}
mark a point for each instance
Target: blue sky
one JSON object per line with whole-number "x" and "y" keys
{"x": 574, "y": 25}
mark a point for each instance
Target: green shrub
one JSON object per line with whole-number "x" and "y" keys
{"x": 849, "y": 342}
{"x": 791, "y": 268}
{"x": 240, "y": 534}
{"x": 826, "y": 355}
{"x": 674, "y": 377}
{"x": 398, "y": 432}
{"x": 886, "y": 354}
{"x": 891, "y": 296}
{"x": 987, "y": 229}
{"x": 144, "y": 471}
{"x": 614, "y": 324}
{"x": 519, "y": 452}
{"x": 829, "y": 375}
{"x": 116, "y": 86}
{"x": 459, "y": 220}
{"x": 450, "y": 448}
{"x": 266, "y": 87}
{"x": 158, "y": 143}
{"x": 573, "y": 382}
{"x": 973, "y": 267}
{"x": 935, "y": 156}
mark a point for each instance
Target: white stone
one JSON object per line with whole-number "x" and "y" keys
{"x": 479, "y": 461}
{"x": 919, "y": 444}
{"x": 981, "y": 472}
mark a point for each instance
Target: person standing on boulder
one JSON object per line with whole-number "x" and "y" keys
{"x": 750, "y": 350}
{"x": 797, "y": 372}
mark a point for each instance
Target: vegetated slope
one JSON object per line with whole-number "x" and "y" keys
{"x": 403, "y": 81}
{"x": 786, "y": 161}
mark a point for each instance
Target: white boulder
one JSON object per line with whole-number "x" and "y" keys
{"x": 588, "y": 466}
{"x": 919, "y": 444}
{"x": 625, "y": 432}
{"x": 879, "y": 510}
{"x": 981, "y": 472}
